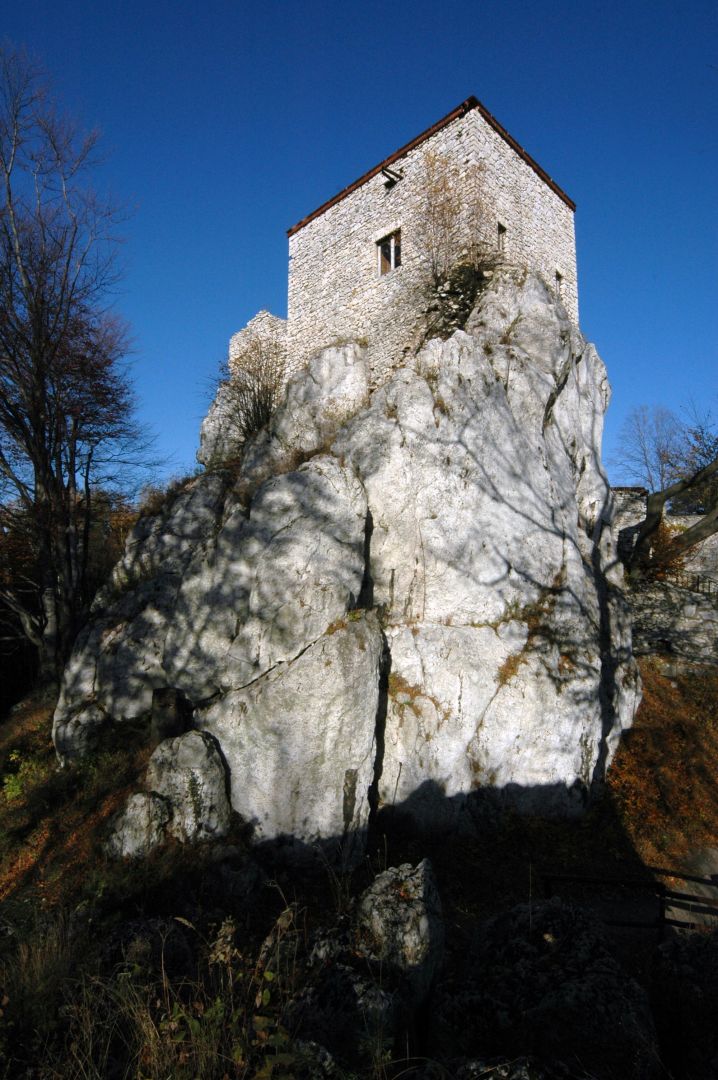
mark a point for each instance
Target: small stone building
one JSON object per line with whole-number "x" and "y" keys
{"x": 359, "y": 264}
{"x": 630, "y": 510}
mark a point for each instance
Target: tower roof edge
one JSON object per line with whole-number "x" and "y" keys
{"x": 461, "y": 110}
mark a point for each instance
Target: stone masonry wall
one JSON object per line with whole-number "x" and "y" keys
{"x": 335, "y": 289}
{"x": 674, "y": 622}
{"x": 703, "y": 559}
{"x": 265, "y": 327}
{"x": 668, "y": 619}
{"x": 629, "y": 510}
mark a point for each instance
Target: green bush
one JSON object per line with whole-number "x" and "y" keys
{"x": 26, "y": 773}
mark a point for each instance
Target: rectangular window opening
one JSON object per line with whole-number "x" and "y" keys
{"x": 389, "y": 252}
{"x": 559, "y": 284}
{"x": 501, "y": 237}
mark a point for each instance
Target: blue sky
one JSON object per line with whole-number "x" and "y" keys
{"x": 226, "y": 122}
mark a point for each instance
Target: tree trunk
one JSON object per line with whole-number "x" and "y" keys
{"x": 48, "y": 651}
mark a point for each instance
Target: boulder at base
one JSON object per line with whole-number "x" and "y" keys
{"x": 186, "y": 798}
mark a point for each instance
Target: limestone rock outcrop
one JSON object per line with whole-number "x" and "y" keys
{"x": 189, "y": 773}
{"x": 300, "y": 740}
{"x": 389, "y": 600}
{"x": 359, "y": 981}
{"x": 399, "y": 918}
{"x": 140, "y": 826}
{"x": 186, "y": 798}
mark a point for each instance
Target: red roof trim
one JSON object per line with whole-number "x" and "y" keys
{"x": 460, "y": 110}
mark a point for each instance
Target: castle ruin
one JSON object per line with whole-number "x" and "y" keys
{"x": 359, "y": 264}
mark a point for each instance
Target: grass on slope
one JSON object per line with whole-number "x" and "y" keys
{"x": 664, "y": 779}
{"x": 50, "y": 818}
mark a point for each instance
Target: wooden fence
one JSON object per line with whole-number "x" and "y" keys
{"x": 699, "y": 583}
{"x": 669, "y": 901}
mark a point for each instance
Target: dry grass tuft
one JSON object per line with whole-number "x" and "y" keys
{"x": 510, "y": 666}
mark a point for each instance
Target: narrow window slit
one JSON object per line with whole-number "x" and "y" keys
{"x": 389, "y": 252}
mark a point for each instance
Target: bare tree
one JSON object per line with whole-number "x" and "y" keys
{"x": 253, "y": 383}
{"x": 651, "y": 444}
{"x": 66, "y": 409}
{"x": 700, "y": 449}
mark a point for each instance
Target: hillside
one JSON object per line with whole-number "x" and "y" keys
{"x": 73, "y": 920}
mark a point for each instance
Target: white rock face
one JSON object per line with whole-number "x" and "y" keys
{"x": 321, "y": 399}
{"x": 118, "y": 657}
{"x": 463, "y": 508}
{"x": 491, "y": 557}
{"x": 187, "y": 798}
{"x": 318, "y": 401}
{"x": 301, "y": 739}
{"x": 271, "y": 583}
